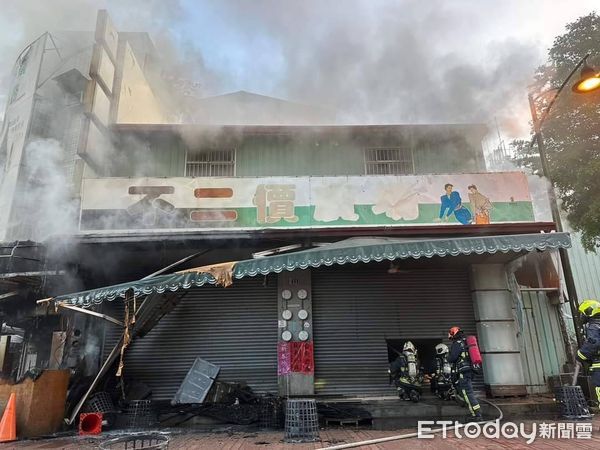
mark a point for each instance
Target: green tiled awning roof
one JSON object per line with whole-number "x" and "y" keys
{"x": 354, "y": 250}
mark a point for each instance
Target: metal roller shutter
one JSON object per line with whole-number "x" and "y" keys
{"x": 357, "y": 306}
{"x": 234, "y": 328}
{"x": 112, "y": 332}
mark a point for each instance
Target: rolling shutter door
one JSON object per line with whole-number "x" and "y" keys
{"x": 357, "y": 306}
{"x": 234, "y": 328}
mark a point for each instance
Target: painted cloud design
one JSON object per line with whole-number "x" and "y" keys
{"x": 333, "y": 202}
{"x": 398, "y": 201}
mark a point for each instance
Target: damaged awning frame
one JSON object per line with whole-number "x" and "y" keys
{"x": 126, "y": 337}
{"x": 353, "y": 250}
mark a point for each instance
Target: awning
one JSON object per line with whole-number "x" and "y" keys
{"x": 354, "y": 250}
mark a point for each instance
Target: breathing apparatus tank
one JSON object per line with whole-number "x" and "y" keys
{"x": 412, "y": 364}
{"x": 441, "y": 351}
{"x": 474, "y": 353}
{"x": 410, "y": 351}
{"x": 447, "y": 368}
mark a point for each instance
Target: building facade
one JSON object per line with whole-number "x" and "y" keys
{"x": 304, "y": 322}
{"x": 67, "y": 89}
{"x": 336, "y": 244}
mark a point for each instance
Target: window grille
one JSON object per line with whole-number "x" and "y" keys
{"x": 210, "y": 163}
{"x": 389, "y": 161}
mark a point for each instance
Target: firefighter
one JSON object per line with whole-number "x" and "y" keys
{"x": 590, "y": 350}
{"x": 459, "y": 357}
{"x": 406, "y": 373}
{"x": 441, "y": 382}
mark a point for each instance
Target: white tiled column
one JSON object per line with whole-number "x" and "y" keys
{"x": 497, "y": 331}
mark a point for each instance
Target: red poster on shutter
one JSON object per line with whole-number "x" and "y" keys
{"x": 302, "y": 357}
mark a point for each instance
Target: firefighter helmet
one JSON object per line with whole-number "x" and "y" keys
{"x": 453, "y": 332}
{"x": 441, "y": 349}
{"x": 589, "y": 308}
{"x": 409, "y": 347}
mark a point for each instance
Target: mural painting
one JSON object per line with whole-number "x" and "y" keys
{"x": 304, "y": 202}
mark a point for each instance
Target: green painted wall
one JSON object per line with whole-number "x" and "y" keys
{"x": 158, "y": 156}
{"x": 263, "y": 156}
{"x": 297, "y": 154}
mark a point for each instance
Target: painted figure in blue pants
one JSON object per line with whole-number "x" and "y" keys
{"x": 452, "y": 204}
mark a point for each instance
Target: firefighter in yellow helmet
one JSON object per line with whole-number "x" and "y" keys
{"x": 590, "y": 350}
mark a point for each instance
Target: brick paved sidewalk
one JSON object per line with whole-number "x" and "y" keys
{"x": 180, "y": 440}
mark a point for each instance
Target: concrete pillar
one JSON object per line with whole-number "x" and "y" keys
{"x": 295, "y": 359}
{"x": 497, "y": 331}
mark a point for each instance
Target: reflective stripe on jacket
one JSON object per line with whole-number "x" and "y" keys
{"x": 590, "y": 350}
{"x": 459, "y": 355}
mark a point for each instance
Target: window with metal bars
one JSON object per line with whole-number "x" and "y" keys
{"x": 389, "y": 161}
{"x": 210, "y": 163}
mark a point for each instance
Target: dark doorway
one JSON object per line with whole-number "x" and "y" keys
{"x": 425, "y": 349}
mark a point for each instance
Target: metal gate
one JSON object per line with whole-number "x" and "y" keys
{"x": 234, "y": 328}
{"x": 357, "y": 306}
{"x": 541, "y": 343}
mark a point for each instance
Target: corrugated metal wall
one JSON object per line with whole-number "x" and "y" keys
{"x": 159, "y": 156}
{"x": 304, "y": 154}
{"x": 301, "y": 156}
{"x": 542, "y": 347}
{"x": 356, "y": 307}
{"x": 265, "y": 156}
{"x": 234, "y": 328}
{"x": 586, "y": 269}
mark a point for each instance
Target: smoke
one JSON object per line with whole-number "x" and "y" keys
{"x": 397, "y": 62}
{"x": 372, "y": 61}
{"x": 395, "y": 68}
{"x": 48, "y": 197}
{"x": 23, "y": 21}
{"x": 538, "y": 188}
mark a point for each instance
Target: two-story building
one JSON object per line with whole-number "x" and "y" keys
{"x": 339, "y": 244}
{"x": 296, "y": 258}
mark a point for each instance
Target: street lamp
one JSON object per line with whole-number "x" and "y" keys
{"x": 589, "y": 81}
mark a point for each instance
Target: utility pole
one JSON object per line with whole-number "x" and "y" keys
{"x": 563, "y": 253}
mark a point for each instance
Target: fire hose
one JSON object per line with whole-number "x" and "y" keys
{"x": 412, "y": 435}
{"x": 576, "y": 374}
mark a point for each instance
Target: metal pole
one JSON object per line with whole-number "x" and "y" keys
{"x": 91, "y": 313}
{"x": 564, "y": 255}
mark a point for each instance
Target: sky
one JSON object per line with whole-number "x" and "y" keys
{"x": 373, "y": 61}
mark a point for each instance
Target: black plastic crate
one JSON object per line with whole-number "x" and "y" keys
{"x": 573, "y": 405}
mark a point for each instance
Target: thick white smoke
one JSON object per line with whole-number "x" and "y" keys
{"x": 48, "y": 197}
{"x": 374, "y": 61}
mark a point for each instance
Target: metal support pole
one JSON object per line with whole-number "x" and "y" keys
{"x": 91, "y": 313}
{"x": 563, "y": 253}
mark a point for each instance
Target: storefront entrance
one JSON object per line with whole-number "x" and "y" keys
{"x": 359, "y": 308}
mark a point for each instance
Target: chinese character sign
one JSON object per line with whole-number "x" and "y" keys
{"x": 305, "y": 202}
{"x": 275, "y": 202}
